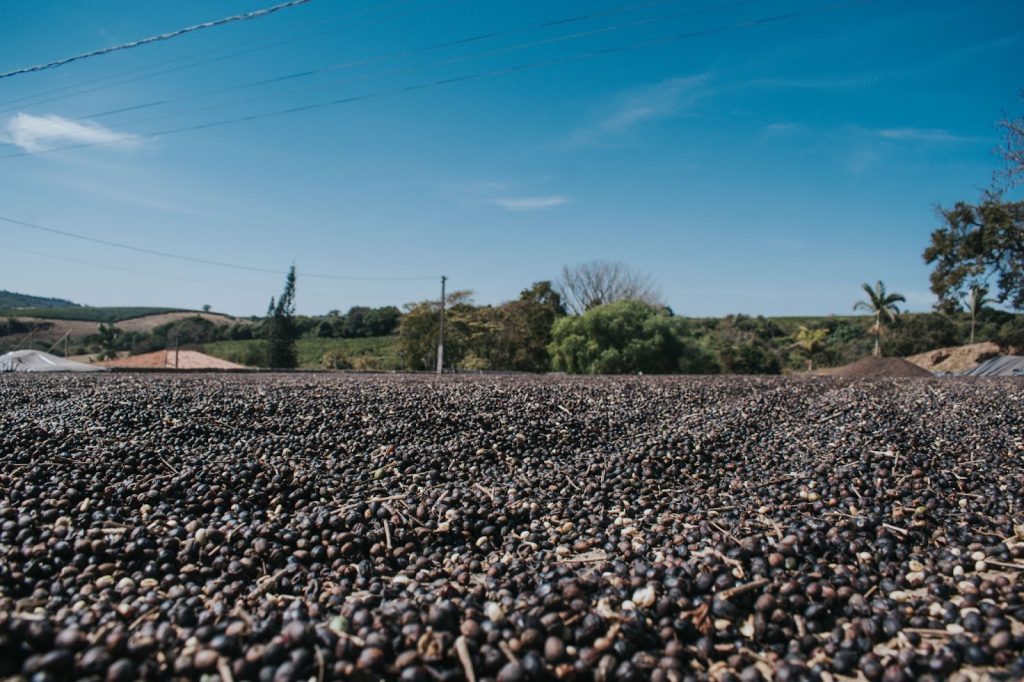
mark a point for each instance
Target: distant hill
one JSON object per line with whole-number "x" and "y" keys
{"x": 9, "y": 299}
{"x": 89, "y": 314}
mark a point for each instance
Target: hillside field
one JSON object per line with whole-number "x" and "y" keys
{"x": 378, "y": 352}
{"x": 89, "y": 314}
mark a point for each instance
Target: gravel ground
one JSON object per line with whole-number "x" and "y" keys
{"x": 506, "y": 528}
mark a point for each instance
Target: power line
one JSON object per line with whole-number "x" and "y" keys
{"x": 445, "y": 62}
{"x": 117, "y": 268}
{"x": 201, "y": 261}
{"x": 397, "y": 55}
{"x": 202, "y": 62}
{"x": 177, "y": 278}
{"x": 152, "y": 39}
{"x": 657, "y": 42}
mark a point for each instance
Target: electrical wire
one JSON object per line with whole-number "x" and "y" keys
{"x": 446, "y": 62}
{"x": 177, "y": 278}
{"x": 656, "y": 42}
{"x": 201, "y": 261}
{"x": 365, "y": 61}
{"x": 157, "y": 38}
{"x": 184, "y": 67}
{"x": 117, "y": 268}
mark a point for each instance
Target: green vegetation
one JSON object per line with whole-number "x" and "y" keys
{"x": 625, "y": 337}
{"x": 372, "y": 353}
{"x": 982, "y": 244}
{"x": 10, "y": 299}
{"x": 881, "y": 305}
{"x": 978, "y": 244}
{"x": 511, "y": 336}
{"x": 280, "y": 331}
{"x": 88, "y": 314}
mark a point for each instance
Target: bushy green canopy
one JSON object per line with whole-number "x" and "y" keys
{"x": 621, "y": 338}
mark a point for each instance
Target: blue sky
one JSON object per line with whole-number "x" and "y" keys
{"x": 763, "y": 167}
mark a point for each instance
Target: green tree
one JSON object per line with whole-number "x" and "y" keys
{"x": 622, "y": 338}
{"x": 281, "y": 331}
{"x": 976, "y": 300}
{"x": 418, "y": 330}
{"x": 880, "y": 304}
{"x": 809, "y": 343}
{"x": 109, "y": 336}
{"x": 922, "y": 332}
{"x": 524, "y": 329}
{"x": 979, "y": 243}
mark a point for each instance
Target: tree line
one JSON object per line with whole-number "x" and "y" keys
{"x": 607, "y": 318}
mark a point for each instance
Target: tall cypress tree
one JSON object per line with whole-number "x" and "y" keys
{"x": 281, "y": 330}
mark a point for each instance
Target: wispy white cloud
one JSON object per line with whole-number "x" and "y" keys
{"x": 531, "y": 203}
{"x": 39, "y": 133}
{"x": 921, "y": 135}
{"x": 784, "y": 129}
{"x": 989, "y": 45}
{"x": 818, "y": 83}
{"x": 634, "y": 108}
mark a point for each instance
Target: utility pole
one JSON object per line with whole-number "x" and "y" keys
{"x": 440, "y": 338}
{"x": 176, "y": 348}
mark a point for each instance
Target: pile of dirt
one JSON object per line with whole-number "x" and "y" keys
{"x": 182, "y": 359}
{"x": 957, "y": 359}
{"x": 877, "y": 367}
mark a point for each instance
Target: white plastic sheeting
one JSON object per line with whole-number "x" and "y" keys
{"x": 1000, "y": 366}
{"x": 38, "y": 361}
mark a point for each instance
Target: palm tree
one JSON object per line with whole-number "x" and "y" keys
{"x": 976, "y": 301}
{"x": 880, "y": 304}
{"x": 108, "y": 341}
{"x": 809, "y": 342}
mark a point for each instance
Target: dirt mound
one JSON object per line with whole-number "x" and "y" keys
{"x": 877, "y": 367}
{"x": 186, "y": 359}
{"x": 955, "y": 358}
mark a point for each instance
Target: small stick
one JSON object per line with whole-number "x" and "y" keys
{"x": 895, "y": 528}
{"x": 358, "y": 641}
{"x": 725, "y": 595}
{"x": 1003, "y": 564}
{"x": 462, "y": 649}
{"x": 508, "y": 652}
{"x": 224, "y": 670}
{"x": 583, "y": 560}
{"x": 485, "y": 491}
{"x": 268, "y": 581}
{"x": 387, "y": 534}
{"x": 320, "y": 664}
{"x": 563, "y": 408}
{"x": 353, "y": 505}
{"x": 138, "y": 621}
{"x": 928, "y": 632}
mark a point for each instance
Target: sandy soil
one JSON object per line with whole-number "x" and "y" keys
{"x": 186, "y": 359}
{"x": 955, "y": 358}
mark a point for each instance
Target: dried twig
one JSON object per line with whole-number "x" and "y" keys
{"x": 266, "y": 581}
{"x": 224, "y": 670}
{"x": 462, "y": 649}
{"x": 725, "y": 595}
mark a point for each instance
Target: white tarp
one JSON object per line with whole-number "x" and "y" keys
{"x": 1000, "y": 366}
{"x": 38, "y": 361}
